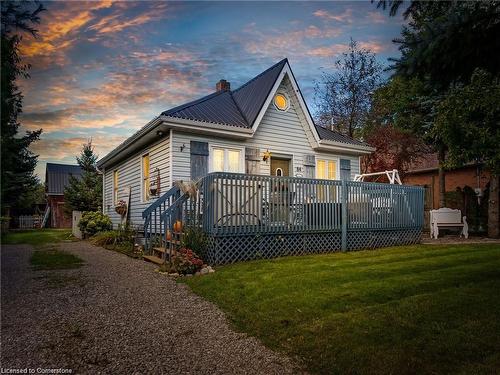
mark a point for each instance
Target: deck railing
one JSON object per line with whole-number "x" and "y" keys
{"x": 245, "y": 204}
{"x": 238, "y": 203}
{"x": 249, "y": 216}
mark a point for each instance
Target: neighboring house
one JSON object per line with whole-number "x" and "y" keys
{"x": 56, "y": 179}
{"x": 463, "y": 187}
{"x": 232, "y": 131}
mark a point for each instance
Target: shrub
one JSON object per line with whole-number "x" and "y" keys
{"x": 196, "y": 240}
{"x": 106, "y": 238}
{"x": 93, "y": 222}
{"x": 184, "y": 262}
{"x": 4, "y": 223}
{"x": 121, "y": 240}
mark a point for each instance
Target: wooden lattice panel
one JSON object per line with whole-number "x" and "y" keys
{"x": 231, "y": 249}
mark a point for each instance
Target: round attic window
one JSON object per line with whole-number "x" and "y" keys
{"x": 281, "y": 102}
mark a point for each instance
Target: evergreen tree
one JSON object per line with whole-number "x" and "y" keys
{"x": 468, "y": 120}
{"x": 85, "y": 193}
{"x": 18, "y": 162}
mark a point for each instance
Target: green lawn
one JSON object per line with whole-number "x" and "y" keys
{"x": 53, "y": 259}
{"x": 36, "y": 237}
{"x": 405, "y": 310}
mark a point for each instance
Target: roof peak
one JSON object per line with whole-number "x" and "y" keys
{"x": 231, "y": 107}
{"x": 283, "y": 62}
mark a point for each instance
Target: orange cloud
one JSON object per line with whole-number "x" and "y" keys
{"x": 328, "y": 51}
{"x": 62, "y": 28}
{"x": 373, "y": 46}
{"x": 58, "y": 34}
{"x": 143, "y": 85}
{"x": 287, "y": 43}
{"x": 376, "y": 17}
{"x": 65, "y": 150}
{"x": 345, "y": 16}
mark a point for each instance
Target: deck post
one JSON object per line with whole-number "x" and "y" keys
{"x": 344, "y": 214}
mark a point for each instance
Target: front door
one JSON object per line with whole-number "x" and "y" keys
{"x": 280, "y": 167}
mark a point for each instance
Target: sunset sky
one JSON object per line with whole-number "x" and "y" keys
{"x": 104, "y": 69}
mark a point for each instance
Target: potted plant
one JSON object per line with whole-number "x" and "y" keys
{"x": 121, "y": 207}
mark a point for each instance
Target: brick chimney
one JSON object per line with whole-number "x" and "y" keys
{"x": 223, "y": 85}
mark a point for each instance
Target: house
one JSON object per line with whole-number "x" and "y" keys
{"x": 228, "y": 130}
{"x": 56, "y": 179}
{"x": 467, "y": 188}
{"x": 234, "y": 141}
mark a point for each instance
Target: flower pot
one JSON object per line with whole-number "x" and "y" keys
{"x": 121, "y": 210}
{"x": 153, "y": 191}
{"x": 178, "y": 226}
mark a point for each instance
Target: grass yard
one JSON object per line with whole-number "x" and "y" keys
{"x": 36, "y": 237}
{"x": 405, "y": 310}
{"x": 53, "y": 259}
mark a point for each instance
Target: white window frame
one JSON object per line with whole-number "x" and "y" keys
{"x": 143, "y": 193}
{"x": 226, "y": 148}
{"x": 327, "y": 159}
{"x": 116, "y": 185}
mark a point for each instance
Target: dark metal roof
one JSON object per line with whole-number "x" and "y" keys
{"x": 57, "y": 176}
{"x": 218, "y": 108}
{"x": 330, "y": 135}
{"x": 239, "y": 107}
{"x": 251, "y": 96}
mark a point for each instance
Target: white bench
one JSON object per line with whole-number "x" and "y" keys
{"x": 448, "y": 218}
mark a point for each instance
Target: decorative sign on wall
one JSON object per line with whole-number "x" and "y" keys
{"x": 154, "y": 184}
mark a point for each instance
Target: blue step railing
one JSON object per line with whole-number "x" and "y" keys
{"x": 153, "y": 222}
{"x": 187, "y": 208}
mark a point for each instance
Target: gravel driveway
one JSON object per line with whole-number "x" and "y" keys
{"x": 115, "y": 315}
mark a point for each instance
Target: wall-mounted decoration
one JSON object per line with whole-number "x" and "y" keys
{"x": 266, "y": 156}
{"x": 154, "y": 185}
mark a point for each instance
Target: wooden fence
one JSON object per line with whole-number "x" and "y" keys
{"x": 29, "y": 221}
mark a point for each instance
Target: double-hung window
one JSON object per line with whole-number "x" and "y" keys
{"x": 326, "y": 169}
{"x": 145, "y": 178}
{"x": 226, "y": 159}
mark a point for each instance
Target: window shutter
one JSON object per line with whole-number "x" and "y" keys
{"x": 345, "y": 169}
{"x": 252, "y": 160}
{"x": 309, "y": 166}
{"x": 199, "y": 159}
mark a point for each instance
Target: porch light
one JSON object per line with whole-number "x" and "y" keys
{"x": 266, "y": 155}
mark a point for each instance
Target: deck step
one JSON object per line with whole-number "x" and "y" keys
{"x": 159, "y": 249}
{"x": 175, "y": 242}
{"x": 153, "y": 259}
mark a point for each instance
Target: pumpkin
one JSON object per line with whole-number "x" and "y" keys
{"x": 168, "y": 236}
{"x": 178, "y": 226}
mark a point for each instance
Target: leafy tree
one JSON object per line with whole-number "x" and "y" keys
{"x": 468, "y": 120}
{"x": 394, "y": 149}
{"x": 395, "y": 113}
{"x": 33, "y": 196}
{"x": 18, "y": 162}
{"x": 85, "y": 193}
{"x": 343, "y": 96}
{"x": 442, "y": 45}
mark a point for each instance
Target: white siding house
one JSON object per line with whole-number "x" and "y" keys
{"x": 230, "y": 131}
